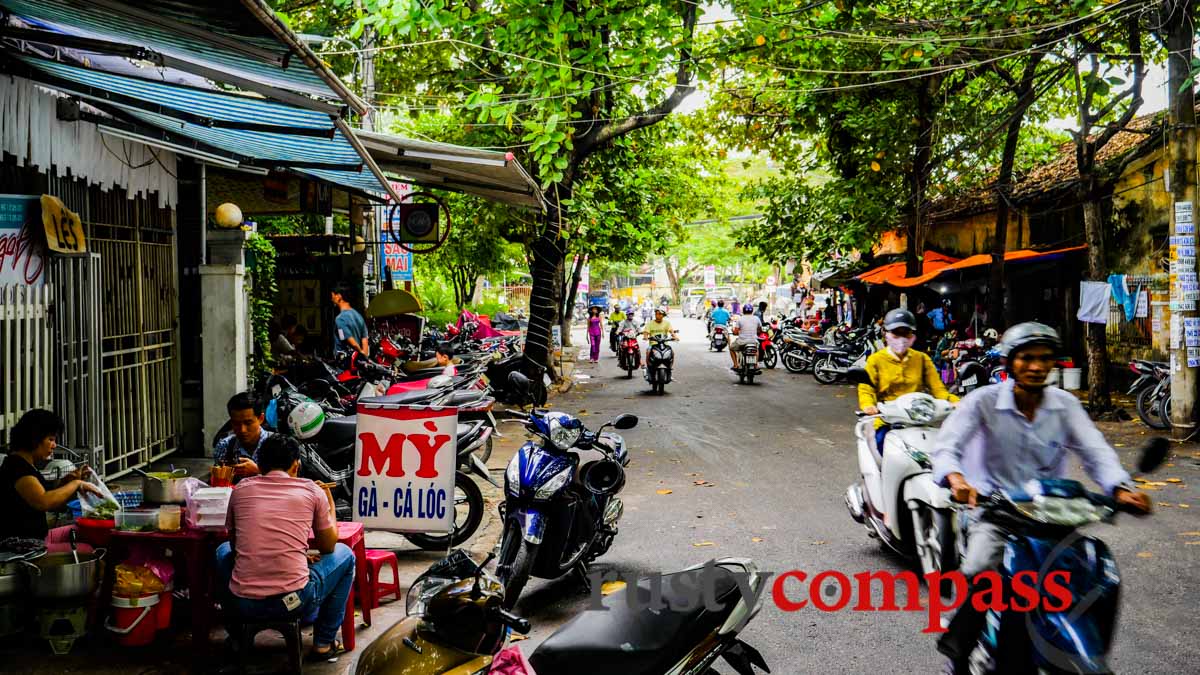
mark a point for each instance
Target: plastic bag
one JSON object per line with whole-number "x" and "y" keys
{"x": 147, "y": 558}
{"x": 511, "y": 661}
{"x": 103, "y": 506}
{"x": 136, "y": 580}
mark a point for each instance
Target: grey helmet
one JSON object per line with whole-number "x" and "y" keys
{"x": 899, "y": 318}
{"x": 1027, "y": 334}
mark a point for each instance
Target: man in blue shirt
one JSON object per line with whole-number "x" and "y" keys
{"x": 349, "y": 328}
{"x": 240, "y": 448}
{"x": 720, "y": 315}
{"x": 1003, "y": 435}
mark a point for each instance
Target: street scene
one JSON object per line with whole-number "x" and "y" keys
{"x": 594, "y": 338}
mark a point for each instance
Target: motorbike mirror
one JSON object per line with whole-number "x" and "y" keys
{"x": 1153, "y": 454}
{"x": 625, "y": 422}
{"x": 859, "y": 375}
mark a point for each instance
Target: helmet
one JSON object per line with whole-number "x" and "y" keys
{"x": 1026, "y": 334}
{"x": 306, "y": 420}
{"x": 991, "y": 334}
{"x": 899, "y": 318}
{"x": 660, "y": 310}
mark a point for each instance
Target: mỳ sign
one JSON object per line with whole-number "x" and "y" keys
{"x": 404, "y": 465}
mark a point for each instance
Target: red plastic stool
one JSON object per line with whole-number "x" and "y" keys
{"x": 375, "y": 562}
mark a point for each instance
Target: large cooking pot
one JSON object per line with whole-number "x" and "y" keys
{"x": 57, "y": 576}
{"x": 12, "y": 576}
{"x": 160, "y": 487}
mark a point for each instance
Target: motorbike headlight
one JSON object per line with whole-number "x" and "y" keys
{"x": 921, "y": 411}
{"x": 512, "y": 475}
{"x": 563, "y": 434}
{"x": 556, "y": 483}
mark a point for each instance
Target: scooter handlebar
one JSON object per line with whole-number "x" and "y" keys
{"x": 519, "y": 624}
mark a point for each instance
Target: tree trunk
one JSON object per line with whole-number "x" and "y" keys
{"x": 1097, "y": 344}
{"x": 673, "y": 279}
{"x": 923, "y": 152}
{"x": 546, "y": 263}
{"x": 568, "y": 306}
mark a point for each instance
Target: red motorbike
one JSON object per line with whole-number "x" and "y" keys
{"x": 768, "y": 355}
{"x": 629, "y": 355}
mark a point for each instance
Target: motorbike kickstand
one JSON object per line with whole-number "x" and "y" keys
{"x": 580, "y": 571}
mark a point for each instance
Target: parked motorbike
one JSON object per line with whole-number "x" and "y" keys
{"x": 660, "y": 361}
{"x": 559, "y": 513}
{"x": 1042, "y": 522}
{"x": 456, "y": 624}
{"x": 896, "y": 498}
{"x": 832, "y": 363}
{"x": 1152, "y": 388}
{"x": 718, "y": 338}
{"x": 797, "y": 349}
{"x": 614, "y": 328}
{"x": 975, "y": 365}
{"x": 766, "y": 348}
{"x": 630, "y": 356}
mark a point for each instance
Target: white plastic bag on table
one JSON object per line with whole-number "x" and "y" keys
{"x": 90, "y": 501}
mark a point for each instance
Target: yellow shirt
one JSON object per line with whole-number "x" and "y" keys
{"x": 617, "y": 316}
{"x": 894, "y": 376}
{"x": 658, "y": 327}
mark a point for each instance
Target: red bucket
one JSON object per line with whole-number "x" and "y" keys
{"x": 162, "y": 613}
{"x": 134, "y": 620}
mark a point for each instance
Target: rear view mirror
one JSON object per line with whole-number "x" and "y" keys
{"x": 625, "y": 422}
{"x": 1153, "y": 454}
{"x": 859, "y": 375}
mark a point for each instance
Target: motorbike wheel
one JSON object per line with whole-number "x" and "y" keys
{"x": 796, "y": 361}
{"x": 750, "y": 378}
{"x": 1149, "y": 410}
{"x": 486, "y": 454}
{"x": 940, "y": 553}
{"x": 468, "y": 514}
{"x": 824, "y": 370}
{"x": 741, "y": 378}
{"x": 770, "y": 358}
{"x": 515, "y": 574}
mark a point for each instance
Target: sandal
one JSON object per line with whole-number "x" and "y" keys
{"x": 336, "y": 649}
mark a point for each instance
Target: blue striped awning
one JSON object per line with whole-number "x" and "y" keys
{"x": 362, "y": 180}
{"x": 216, "y": 34}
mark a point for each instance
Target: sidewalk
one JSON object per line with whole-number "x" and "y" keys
{"x": 173, "y": 652}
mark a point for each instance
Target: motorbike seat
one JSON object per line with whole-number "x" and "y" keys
{"x": 338, "y": 432}
{"x": 406, "y": 397}
{"x": 642, "y": 641}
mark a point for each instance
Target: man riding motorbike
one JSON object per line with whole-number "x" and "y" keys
{"x": 1005, "y": 434}
{"x": 660, "y": 325}
{"x": 897, "y": 370}
{"x": 719, "y": 317}
{"x": 746, "y": 329}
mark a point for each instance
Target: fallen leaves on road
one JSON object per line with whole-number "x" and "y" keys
{"x": 756, "y": 539}
{"x": 1184, "y": 506}
{"x": 515, "y": 637}
{"x": 839, "y": 396}
{"x": 701, "y": 544}
{"x": 665, "y": 492}
{"x": 1165, "y": 504}
{"x": 1173, "y": 480}
{"x": 819, "y": 542}
{"x": 1145, "y": 554}
{"x": 703, "y": 483}
{"x": 1191, "y": 543}
{"x": 1118, "y": 445}
{"x": 610, "y": 587}
{"x": 1194, "y": 533}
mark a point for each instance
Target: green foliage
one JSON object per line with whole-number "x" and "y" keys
{"x": 263, "y": 289}
{"x": 302, "y": 223}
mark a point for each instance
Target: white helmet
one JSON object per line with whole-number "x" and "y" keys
{"x": 306, "y": 420}
{"x": 991, "y": 334}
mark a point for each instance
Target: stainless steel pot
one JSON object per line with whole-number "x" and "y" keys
{"x": 12, "y": 575}
{"x": 57, "y": 575}
{"x": 164, "y": 490}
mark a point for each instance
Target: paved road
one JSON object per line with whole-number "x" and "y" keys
{"x": 779, "y": 455}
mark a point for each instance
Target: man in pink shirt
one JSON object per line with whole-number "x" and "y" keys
{"x": 266, "y": 563}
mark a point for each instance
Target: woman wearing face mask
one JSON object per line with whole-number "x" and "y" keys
{"x": 899, "y": 369}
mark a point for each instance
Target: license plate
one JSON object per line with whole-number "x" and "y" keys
{"x": 970, "y": 381}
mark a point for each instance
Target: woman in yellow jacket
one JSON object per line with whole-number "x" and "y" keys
{"x": 897, "y": 370}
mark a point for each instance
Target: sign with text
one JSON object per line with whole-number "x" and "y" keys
{"x": 21, "y": 260}
{"x": 398, "y": 261}
{"x": 404, "y": 463}
{"x": 64, "y": 229}
{"x": 710, "y": 277}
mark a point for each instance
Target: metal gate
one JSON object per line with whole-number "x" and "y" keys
{"x": 79, "y": 390}
{"x": 133, "y": 279}
{"x": 25, "y": 353}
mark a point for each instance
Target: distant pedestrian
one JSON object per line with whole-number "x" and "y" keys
{"x": 349, "y": 328}
{"x": 595, "y": 330}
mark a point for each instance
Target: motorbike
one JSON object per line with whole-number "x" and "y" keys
{"x": 896, "y": 498}
{"x": 457, "y": 624}
{"x": 718, "y": 338}
{"x": 1152, "y": 388}
{"x": 766, "y": 347}
{"x": 1042, "y": 522}
{"x": 747, "y": 366}
{"x": 660, "y": 361}
{"x": 614, "y": 329}
{"x": 630, "y": 356}
{"x": 559, "y": 512}
{"x": 975, "y": 365}
{"x": 832, "y": 363}
{"x": 797, "y": 349}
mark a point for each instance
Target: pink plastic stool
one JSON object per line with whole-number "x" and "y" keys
{"x": 375, "y": 562}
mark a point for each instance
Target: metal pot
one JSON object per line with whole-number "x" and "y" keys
{"x": 12, "y": 576}
{"x": 164, "y": 490}
{"x": 58, "y": 576}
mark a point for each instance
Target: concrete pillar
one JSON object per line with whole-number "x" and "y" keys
{"x": 225, "y": 321}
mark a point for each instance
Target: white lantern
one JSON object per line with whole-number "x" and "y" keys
{"x": 229, "y": 216}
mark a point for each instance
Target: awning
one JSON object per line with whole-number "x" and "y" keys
{"x": 392, "y": 303}
{"x": 486, "y": 173}
{"x": 236, "y": 41}
{"x": 1022, "y": 256}
{"x": 890, "y": 273}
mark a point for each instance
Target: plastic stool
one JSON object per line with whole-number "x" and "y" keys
{"x": 375, "y": 562}
{"x": 288, "y": 628}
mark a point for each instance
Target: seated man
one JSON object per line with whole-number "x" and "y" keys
{"x": 898, "y": 370}
{"x": 240, "y": 449}
{"x": 445, "y": 359}
{"x": 266, "y": 564}
{"x": 660, "y": 325}
{"x": 747, "y": 329}
{"x": 720, "y": 315}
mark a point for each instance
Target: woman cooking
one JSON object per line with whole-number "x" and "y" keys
{"x": 24, "y": 497}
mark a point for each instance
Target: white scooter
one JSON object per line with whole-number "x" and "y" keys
{"x": 896, "y": 498}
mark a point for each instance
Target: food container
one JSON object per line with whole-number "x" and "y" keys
{"x": 170, "y": 518}
{"x": 137, "y": 520}
{"x": 58, "y": 576}
{"x": 95, "y": 532}
{"x": 13, "y": 580}
{"x": 163, "y": 487}
{"x": 207, "y": 507}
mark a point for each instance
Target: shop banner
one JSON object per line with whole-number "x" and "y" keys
{"x": 392, "y": 255}
{"x": 21, "y": 260}
{"x": 710, "y": 277}
{"x": 404, "y": 460}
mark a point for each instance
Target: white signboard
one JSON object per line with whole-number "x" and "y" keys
{"x": 1142, "y": 309}
{"x": 710, "y": 277}
{"x": 404, "y": 460}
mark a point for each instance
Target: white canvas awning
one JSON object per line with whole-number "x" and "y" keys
{"x": 487, "y": 173}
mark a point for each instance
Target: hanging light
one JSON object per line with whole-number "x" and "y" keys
{"x": 229, "y": 216}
